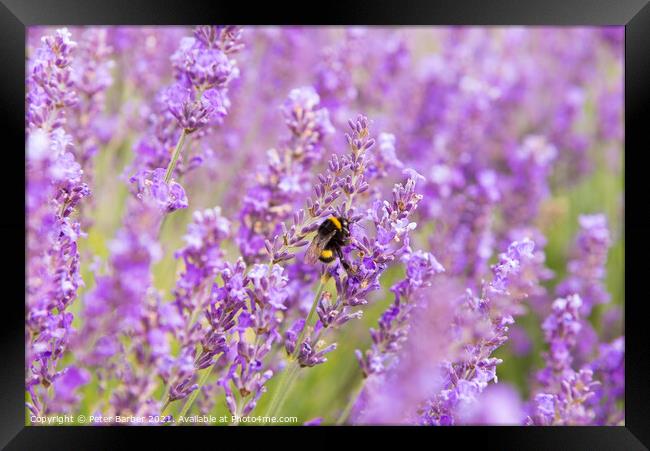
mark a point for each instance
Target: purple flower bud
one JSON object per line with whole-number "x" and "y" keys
{"x": 150, "y": 186}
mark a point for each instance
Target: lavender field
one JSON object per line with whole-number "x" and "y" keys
{"x": 177, "y": 176}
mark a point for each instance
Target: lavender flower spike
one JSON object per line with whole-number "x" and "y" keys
{"x": 393, "y": 323}
{"x": 54, "y": 190}
{"x": 271, "y": 201}
{"x": 564, "y": 398}
{"x": 487, "y": 318}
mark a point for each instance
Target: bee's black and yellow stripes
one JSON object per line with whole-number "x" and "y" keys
{"x": 332, "y": 234}
{"x": 326, "y": 255}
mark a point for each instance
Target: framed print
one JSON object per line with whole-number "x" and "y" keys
{"x": 363, "y": 225}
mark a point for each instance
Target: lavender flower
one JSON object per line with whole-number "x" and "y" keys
{"x": 609, "y": 369}
{"x": 530, "y": 164}
{"x": 195, "y": 296}
{"x": 393, "y": 323}
{"x": 391, "y": 221}
{"x": 203, "y": 70}
{"x": 248, "y": 375}
{"x": 92, "y": 78}
{"x": 270, "y": 202}
{"x": 54, "y": 190}
{"x": 586, "y": 271}
{"x": 344, "y": 176}
{"x": 312, "y": 351}
{"x": 561, "y": 329}
{"x": 202, "y": 253}
{"x": 50, "y": 82}
{"x": 565, "y": 394}
{"x": 569, "y": 406}
{"x": 151, "y": 186}
{"x": 488, "y": 319}
{"x": 587, "y": 267}
{"x": 225, "y": 304}
{"x": 198, "y": 98}
{"x": 394, "y": 392}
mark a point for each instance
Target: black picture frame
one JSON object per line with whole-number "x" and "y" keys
{"x": 16, "y": 15}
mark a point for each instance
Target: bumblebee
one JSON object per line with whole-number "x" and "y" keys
{"x": 332, "y": 234}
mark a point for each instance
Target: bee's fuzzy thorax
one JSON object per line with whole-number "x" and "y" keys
{"x": 336, "y": 222}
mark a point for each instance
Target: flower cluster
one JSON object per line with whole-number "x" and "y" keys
{"x": 393, "y": 331}
{"x": 374, "y": 253}
{"x": 56, "y": 188}
{"x": 270, "y": 202}
{"x": 561, "y": 329}
{"x": 51, "y": 83}
{"x": 92, "y": 78}
{"x": 150, "y": 186}
{"x": 407, "y": 372}
{"x": 609, "y": 369}
{"x": 204, "y": 342}
{"x": 266, "y": 295}
{"x": 485, "y": 320}
{"x": 124, "y": 301}
{"x": 344, "y": 176}
{"x": 589, "y": 395}
{"x": 203, "y": 70}
{"x": 587, "y": 267}
{"x": 393, "y": 323}
{"x": 196, "y": 296}
{"x": 570, "y": 405}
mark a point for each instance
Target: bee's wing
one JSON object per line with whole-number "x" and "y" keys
{"x": 316, "y": 246}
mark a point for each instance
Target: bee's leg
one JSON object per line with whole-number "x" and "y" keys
{"x": 345, "y": 264}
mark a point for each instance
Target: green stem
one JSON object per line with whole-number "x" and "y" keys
{"x": 285, "y": 381}
{"x": 175, "y": 155}
{"x": 308, "y": 321}
{"x": 291, "y": 371}
{"x": 162, "y": 224}
{"x": 195, "y": 393}
{"x": 203, "y": 292}
{"x": 239, "y": 405}
{"x": 167, "y": 403}
{"x": 353, "y": 400}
